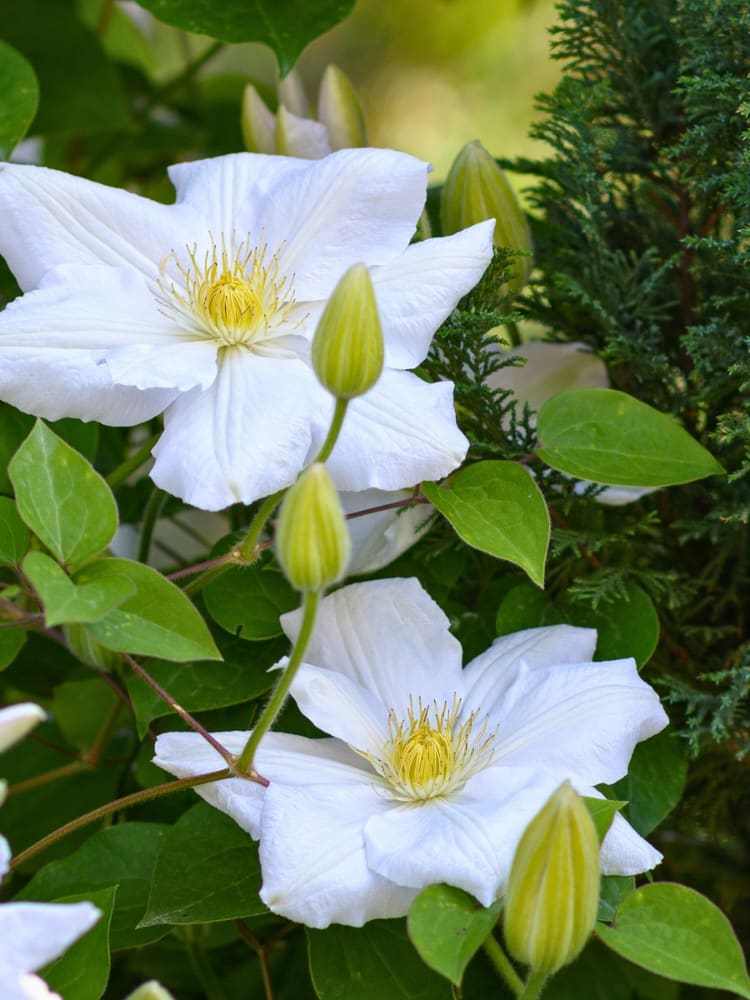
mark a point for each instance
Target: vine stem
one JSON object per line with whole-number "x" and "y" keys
{"x": 272, "y": 709}
{"x": 503, "y": 965}
{"x": 135, "y": 798}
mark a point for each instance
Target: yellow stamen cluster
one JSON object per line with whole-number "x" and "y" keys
{"x": 432, "y": 752}
{"x": 232, "y": 294}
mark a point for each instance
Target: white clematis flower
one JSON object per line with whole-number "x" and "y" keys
{"x": 433, "y": 771}
{"x": 205, "y": 310}
{"x": 15, "y": 722}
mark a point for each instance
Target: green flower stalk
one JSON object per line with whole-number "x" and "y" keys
{"x": 312, "y": 540}
{"x": 347, "y": 349}
{"x": 553, "y": 887}
{"x": 477, "y": 189}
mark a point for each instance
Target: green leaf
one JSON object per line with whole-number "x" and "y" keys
{"x": 14, "y": 535}
{"x": 627, "y": 626}
{"x": 612, "y": 438}
{"x": 15, "y": 426}
{"x": 158, "y": 620}
{"x": 204, "y": 685}
{"x": 287, "y": 26}
{"x": 248, "y": 601}
{"x": 207, "y": 870}
{"x": 374, "y": 962}
{"x": 602, "y": 812}
{"x": 80, "y": 708}
{"x": 497, "y": 507}
{"x": 79, "y": 89}
{"x": 654, "y": 782}
{"x": 61, "y": 497}
{"x": 19, "y": 98}
{"x": 447, "y": 927}
{"x": 124, "y": 854}
{"x": 678, "y": 933}
{"x": 613, "y": 889}
{"x": 11, "y": 644}
{"x": 597, "y": 974}
{"x": 82, "y": 972}
{"x": 64, "y": 601}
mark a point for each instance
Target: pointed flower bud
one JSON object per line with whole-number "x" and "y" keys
{"x": 150, "y": 991}
{"x": 340, "y": 111}
{"x": 300, "y": 137}
{"x": 258, "y": 123}
{"x": 477, "y": 189}
{"x": 312, "y": 540}
{"x": 347, "y": 349}
{"x": 85, "y": 647}
{"x": 553, "y": 888}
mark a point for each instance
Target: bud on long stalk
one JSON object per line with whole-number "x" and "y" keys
{"x": 312, "y": 540}
{"x": 553, "y": 889}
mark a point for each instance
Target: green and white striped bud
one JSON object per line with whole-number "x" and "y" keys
{"x": 258, "y": 123}
{"x": 312, "y": 540}
{"x": 477, "y": 189}
{"x": 150, "y": 991}
{"x": 347, "y": 349}
{"x": 553, "y": 889}
{"x": 340, "y": 111}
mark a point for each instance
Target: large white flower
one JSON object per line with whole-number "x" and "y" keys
{"x": 205, "y": 309}
{"x": 433, "y": 772}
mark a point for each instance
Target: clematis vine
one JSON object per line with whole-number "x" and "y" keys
{"x": 432, "y": 771}
{"x": 205, "y": 310}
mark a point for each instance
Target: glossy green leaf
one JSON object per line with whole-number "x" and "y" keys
{"x": 11, "y": 643}
{"x": 497, "y": 507}
{"x": 612, "y": 438}
{"x": 19, "y": 98}
{"x": 602, "y": 812}
{"x": 81, "y": 707}
{"x": 287, "y": 26}
{"x": 79, "y": 88}
{"x": 447, "y": 927}
{"x": 613, "y": 889}
{"x": 598, "y": 974}
{"x": 242, "y": 675}
{"x": 63, "y": 601}
{"x": 374, "y": 962}
{"x": 678, "y": 933}
{"x": 82, "y": 972}
{"x": 61, "y": 497}
{"x": 124, "y": 854}
{"x": 248, "y": 601}
{"x": 207, "y": 869}
{"x": 627, "y": 626}
{"x": 158, "y": 620}
{"x": 655, "y": 780}
{"x": 14, "y": 535}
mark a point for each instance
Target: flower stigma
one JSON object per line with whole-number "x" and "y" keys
{"x": 233, "y": 295}
{"x": 432, "y": 752}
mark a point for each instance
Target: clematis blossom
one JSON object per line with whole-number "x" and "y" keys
{"x": 205, "y": 310}
{"x": 432, "y": 772}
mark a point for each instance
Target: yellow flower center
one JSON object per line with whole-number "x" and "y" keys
{"x": 233, "y": 295}
{"x": 432, "y": 752}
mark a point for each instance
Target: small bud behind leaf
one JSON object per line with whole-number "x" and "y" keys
{"x": 150, "y": 991}
{"x": 347, "y": 349}
{"x": 553, "y": 888}
{"x": 85, "y": 647}
{"x": 340, "y": 111}
{"x": 312, "y": 540}
{"x": 477, "y": 189}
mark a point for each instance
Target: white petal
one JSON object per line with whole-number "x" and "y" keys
{"x": 180, "y": 365}
{"x": 617, "y": 496}
{"x": 301, "y": 137}
{"x": 420, "y": 288}
{"x": 584, "y": 719}
{"x": 245, "y": 437}
{"x": 5, "y": 856}
{"x": 48, "y": 217}
{"x": 402, "y": 431}
{"x": 625, "y": 852}
{"x": 356, "y": 205}
{"x": 34, "y": 988}
{"x": 380, "y": 537}
{"x": 342, "y": 707}
{"x": 34, "y": 934}
{"x": 18, "y": 720}
{"x": 313, "y": 857}
{"x": 225, "y": 191}
{"x": 466, "y": 839}
{"x": 390, "y": 637}
{"x": 489, "y": 675}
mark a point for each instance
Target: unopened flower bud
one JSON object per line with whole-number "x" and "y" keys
{"x": 85, "y": 647}
{"x": 477, "y": 189}
{"x": 258, "y": 123}
{"x": 347, "y": 349}
{"x": 553, "y": 888}
{"x": 300, "y": 137}
{"x": 340, "y": 111}
{"x": 312, "y": 540}
{"x": 150, "y": 991}
{"x": 292, "y": 94}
